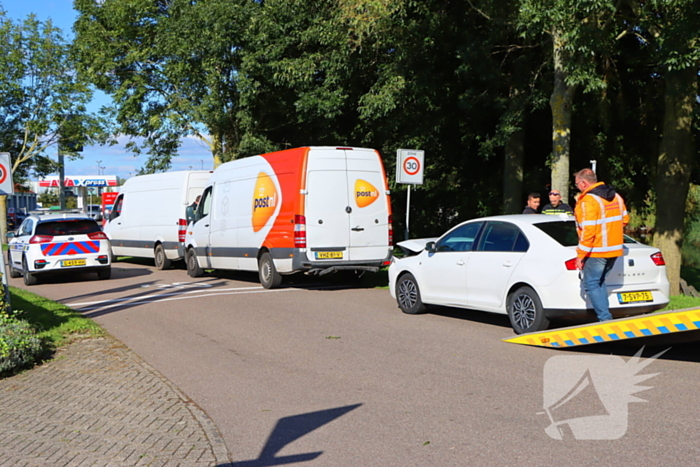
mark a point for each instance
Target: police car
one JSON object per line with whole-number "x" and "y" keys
{"x": 63, "y": 243}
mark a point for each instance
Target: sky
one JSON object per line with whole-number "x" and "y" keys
{"x": 115, "y": 160}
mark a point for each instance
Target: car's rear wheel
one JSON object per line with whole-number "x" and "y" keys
{"x": 104, "y": 274}
{"x": 29, "y": 278}
{"x": 15, "y": 274}
{"x": 525, "y": 311}
{"x": 408, "y": 295}
{"x": 162, "y": 261}
{"x": 269, "y": 277}
{"x": 193, "y": 269}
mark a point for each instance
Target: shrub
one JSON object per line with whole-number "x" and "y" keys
{"x": 19, "y": 345}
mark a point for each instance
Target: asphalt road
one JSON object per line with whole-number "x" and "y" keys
{"x": 322, "y": 374}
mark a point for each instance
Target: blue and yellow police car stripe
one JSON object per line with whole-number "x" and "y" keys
{"x": 654, "y": 324}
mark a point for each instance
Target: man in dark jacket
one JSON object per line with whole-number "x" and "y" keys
{"x": 533, "y": 203}
{"x": 556, "y": 206}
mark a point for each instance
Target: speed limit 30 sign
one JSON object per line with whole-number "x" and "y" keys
{"x": 409, "y": 166}
{"x": 6, "y": 187}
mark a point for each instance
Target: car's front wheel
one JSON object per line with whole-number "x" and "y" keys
{"x": 525, "y": 311}
{"x": 29, "y": 278}
{"x": 408, "y": 295}
{"x": 193, "y": 269}
{"x": 162, "y": 261}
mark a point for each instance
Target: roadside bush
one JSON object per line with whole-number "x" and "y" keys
{"x": 19, "y": 345}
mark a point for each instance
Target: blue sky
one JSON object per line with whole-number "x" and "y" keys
{"x": 115, "y": 159}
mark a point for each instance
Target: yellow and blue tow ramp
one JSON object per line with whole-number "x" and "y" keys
{"x": 650, "y": 325}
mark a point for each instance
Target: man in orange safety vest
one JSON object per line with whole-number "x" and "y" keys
{"x": 600, "y": 218}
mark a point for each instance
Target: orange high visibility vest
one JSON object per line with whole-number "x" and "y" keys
{"x": 600, "y": 223}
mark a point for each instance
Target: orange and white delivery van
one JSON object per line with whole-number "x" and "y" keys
{"x": 313, "y": 209}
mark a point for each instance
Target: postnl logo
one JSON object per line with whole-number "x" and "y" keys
{"x": 365, "y": 193}
{"x": 265, "y": 199}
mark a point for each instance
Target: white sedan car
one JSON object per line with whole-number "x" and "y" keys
{"x": 63, "y": 243}
{"x": 523, "y": 266}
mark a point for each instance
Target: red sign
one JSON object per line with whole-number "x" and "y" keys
{"x": 107, "y": 203}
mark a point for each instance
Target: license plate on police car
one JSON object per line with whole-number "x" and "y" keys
{"x": 329, "y": 255}
{"x": 635, "y": 297}
{"x": 68, "y": 263}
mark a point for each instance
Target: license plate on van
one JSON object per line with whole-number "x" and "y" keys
{"x": 635, "y": 297}
{"x": 329, "y": 255}
{"x": 73, "y": 262}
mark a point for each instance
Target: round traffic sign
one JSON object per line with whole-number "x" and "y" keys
{"x": 3, "y": 173}
{"x": 411, "y": 165}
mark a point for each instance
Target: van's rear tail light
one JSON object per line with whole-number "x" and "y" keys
{"x": 299, "y": 231}
{"x": 181, "y": 230}
{"x": 41, "y": 239}
{"x": 391, "y": 231}
{"x": 571, "y": 264}
{"x": 97, "y": 236}
{"x": 658, "y": 259}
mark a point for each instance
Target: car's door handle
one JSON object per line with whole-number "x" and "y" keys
{"x": 507, "y": 264}
{"x": 358, "y": 229}
{"x": 460, "y": 263}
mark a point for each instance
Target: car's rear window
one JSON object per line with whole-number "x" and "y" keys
{"x": 565, "y": 232}
{"x": 67, "y": 227}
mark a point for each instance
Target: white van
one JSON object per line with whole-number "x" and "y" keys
{"x": 313, "y": 209}
{"x": 149, "y": 217}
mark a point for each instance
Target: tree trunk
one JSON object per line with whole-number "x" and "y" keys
{"x": 561, "y": 103}
{"x": 514, "y": 158}
{"x": 513, "y": 173}
{"x": 673, "y": 172}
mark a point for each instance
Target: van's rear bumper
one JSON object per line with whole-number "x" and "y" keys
{"x": 321, "y": 267}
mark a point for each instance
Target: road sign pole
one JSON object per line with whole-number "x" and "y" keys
{"x": 6, "y": 188}
{"x": 408, "y": 209}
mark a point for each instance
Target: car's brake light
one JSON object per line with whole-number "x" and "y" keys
{"x": 299, "y": 231}
{"x": 97, "y": 236}
{"x": 658, "y": 259}
{"x": 41, "y": 239}
{"x": 571, "y": 264}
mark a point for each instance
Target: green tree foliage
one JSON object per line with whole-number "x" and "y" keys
{"x": 41, "y": 98}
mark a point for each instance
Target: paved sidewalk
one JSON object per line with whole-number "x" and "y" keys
{"x": 98, "y": 404}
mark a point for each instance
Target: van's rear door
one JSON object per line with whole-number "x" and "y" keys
{"x": 369, "y": 216}
{"x": 327, "y": 204}
{"x": 346, "y": 205}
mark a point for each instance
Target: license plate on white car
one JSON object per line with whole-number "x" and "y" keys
{"x": 69, "y": 263}
{"x": 635, "y": 297}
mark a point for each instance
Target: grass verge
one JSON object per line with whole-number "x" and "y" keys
{"x": 56, "y": 324}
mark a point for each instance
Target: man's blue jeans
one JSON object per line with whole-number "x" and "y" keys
{"x": 595, "y": 270}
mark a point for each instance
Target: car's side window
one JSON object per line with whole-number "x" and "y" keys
{"x": 460, "y": 239}
{"x": 502, "y": 236}
{"x": 26, "y": 227}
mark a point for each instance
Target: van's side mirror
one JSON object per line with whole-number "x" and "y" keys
{"x": 430, "y": 247}
{"x": 189, "y": 214}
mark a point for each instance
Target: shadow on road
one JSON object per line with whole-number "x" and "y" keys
{"x": 289, "y": 429}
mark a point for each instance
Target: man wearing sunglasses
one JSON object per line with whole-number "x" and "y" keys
{"x": 556, "y": 206}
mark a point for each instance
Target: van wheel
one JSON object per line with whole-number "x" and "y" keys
{"x": 15, "y": 274}
{"x": 29, "y": 278}
{"x": 104, "y": 274}
{"x": 525, "y": 311}
{"x": 269, "y": 277}
{"x": 162, "y": 261}
{"x": 193, "y": 269}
